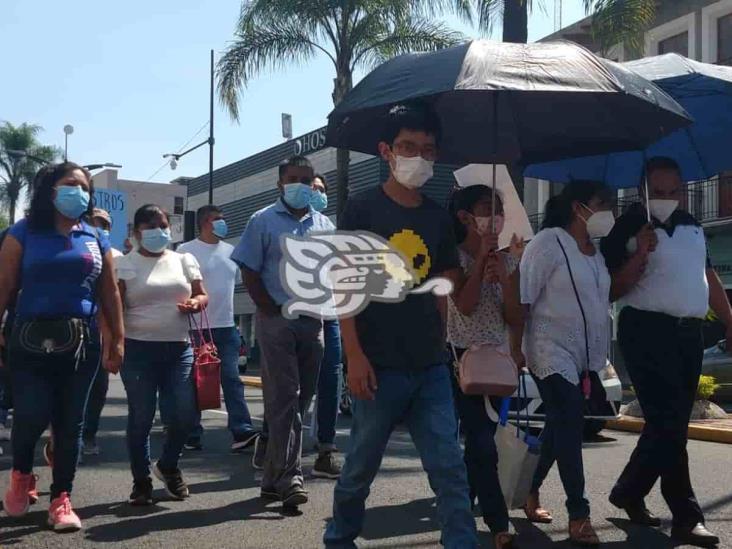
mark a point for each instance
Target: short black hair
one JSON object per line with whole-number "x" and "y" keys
{"x": 416, "y": 116}
{"x": 41, "y": 213}
{"x": 323, "y": 179}
{"x": 203, "y": 213}
{"x": 661, "y": 163}
{"x": 148, "y": 212}
{"x": 298, "y": 161}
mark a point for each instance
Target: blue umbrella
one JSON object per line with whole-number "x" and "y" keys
{"x": 702, "y": 149}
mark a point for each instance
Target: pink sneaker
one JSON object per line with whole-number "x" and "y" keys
{"x": 61, "y": 516}
{"x": 32, "y": 492}
{"x": 16, "y": 500}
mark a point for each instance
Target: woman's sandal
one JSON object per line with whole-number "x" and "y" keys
{"x": 582, "y": 533}
{"x": 535, "y": 512}
{"x": 504, "y": 540}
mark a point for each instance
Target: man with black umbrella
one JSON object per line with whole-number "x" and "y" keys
{"x": 662, "y": 275}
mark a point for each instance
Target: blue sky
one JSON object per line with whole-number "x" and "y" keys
{"x": 132, "y": 78}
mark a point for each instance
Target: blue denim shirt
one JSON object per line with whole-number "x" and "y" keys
{"x": 259, "y": 247}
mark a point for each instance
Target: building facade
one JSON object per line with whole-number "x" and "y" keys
{"x": 172, "y": 197}
{"x": 697, "y": 28}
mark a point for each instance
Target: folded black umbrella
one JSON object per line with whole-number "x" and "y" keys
{"x": 508, "y": 103}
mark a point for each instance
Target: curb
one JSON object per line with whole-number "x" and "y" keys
{"x": 252, "y": 381}
{"x": 707, "y": 433}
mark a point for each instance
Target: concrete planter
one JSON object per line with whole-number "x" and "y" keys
{"x": 703, "y": 409}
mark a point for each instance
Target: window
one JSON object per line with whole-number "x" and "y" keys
{"x": 675, "y": 44}
{"x": 178, "y": 205}
{"x": 724, "y": 40}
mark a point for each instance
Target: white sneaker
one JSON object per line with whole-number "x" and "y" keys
{"x": 4, "y": 433}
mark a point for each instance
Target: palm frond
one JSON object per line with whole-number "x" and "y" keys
{"x": 621, "y": 22}
{"x": 407, "y": 35}
{"x": 256, "y": 50}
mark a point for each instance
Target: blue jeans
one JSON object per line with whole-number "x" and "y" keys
{"x": 561, "y": 440}
{"x": 151, "y": 367}
{"x": 51, "y": 390}
{"x": 227, "y": 342}
{"x": 331, "y": 371}
{"x": 423, "y": 400}
{"x": 97, "y": 393}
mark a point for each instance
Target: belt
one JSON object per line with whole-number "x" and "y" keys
{"x": 681, "y": 322}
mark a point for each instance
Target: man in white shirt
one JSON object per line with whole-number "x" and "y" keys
{"x": 662, "y": 275}
{"x": 220, "y": 274}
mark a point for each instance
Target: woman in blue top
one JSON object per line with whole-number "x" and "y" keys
{"x": 60, "y": 270}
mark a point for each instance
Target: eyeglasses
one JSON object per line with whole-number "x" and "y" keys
{"x": 411, "y": 149}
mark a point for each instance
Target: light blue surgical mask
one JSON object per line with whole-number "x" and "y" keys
{"x": 297, "y": 195}
{"x": 155, "y": 240}
{"x": 105, "y": 233}
{"x": 219, "y": 228}
{"x": 319, "y": 201}
{"x": 71, "y": 202}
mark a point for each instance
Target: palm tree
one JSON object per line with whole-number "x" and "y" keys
{"x": 272, "y": 34}
{"x": 613, "y": 21}
{"x": 21, "y": 154}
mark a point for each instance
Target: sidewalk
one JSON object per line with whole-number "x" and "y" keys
{"x": 713, "y": 430}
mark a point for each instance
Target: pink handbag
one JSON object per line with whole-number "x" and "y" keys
{"x": 487, "y": 370}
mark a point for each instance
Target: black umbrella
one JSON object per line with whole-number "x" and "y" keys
{"x": 507, "y": 103}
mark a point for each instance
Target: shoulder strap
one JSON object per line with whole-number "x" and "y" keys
{"x": 579, "y": 302}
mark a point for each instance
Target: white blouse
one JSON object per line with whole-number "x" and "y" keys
{"x": 153, "y": 288}
{"x": 486, "y": 324}
{"x": 554, "y": 338}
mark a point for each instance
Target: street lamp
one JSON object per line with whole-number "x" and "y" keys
{"x": 91, "y": 167}
{"x": 175, "y": 157}
{"x": 68, "y": 130}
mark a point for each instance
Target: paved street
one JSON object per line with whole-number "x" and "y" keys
{"x": 225, "y": 511}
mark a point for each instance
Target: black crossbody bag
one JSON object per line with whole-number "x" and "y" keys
{"x": 595, "y": 396}
{"x": 60, "y": 337}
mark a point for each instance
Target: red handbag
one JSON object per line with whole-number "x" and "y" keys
{"x": 206, "y": 364}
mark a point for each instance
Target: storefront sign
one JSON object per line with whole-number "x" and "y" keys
{"x": 115, "y": 202}
{"x": 310, "y": 143}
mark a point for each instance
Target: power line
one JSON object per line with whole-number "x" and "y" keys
{"x": 179, "y": 149}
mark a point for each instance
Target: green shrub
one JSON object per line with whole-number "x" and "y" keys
{"x": 707, "y": 387}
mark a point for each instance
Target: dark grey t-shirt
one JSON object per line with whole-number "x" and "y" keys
{"x": 406, "y": 335}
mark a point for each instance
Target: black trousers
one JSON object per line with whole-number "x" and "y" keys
{"x": 663, "y": 355}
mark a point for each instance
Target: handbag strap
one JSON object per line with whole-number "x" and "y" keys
{"x": 581, "y": 308}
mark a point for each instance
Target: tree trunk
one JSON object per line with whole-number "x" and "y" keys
{"x": 516, "y": 21}
{"x": 341, "y": 86}
{"x": 11, "y": 211}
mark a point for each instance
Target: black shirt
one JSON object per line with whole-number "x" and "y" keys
{"x": 408, "y": 334}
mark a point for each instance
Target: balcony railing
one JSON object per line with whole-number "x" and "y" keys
{"x": 708, "y": 201}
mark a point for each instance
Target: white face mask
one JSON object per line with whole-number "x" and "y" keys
{"x": 412, "y": 172}
{"x": 483, "y": 224}
{"x": 662, "y": 209}
{"x": 599, "y": 224}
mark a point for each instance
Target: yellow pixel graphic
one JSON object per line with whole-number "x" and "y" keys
{"x": 411, "y": 245}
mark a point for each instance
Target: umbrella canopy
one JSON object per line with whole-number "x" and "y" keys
{"x": 702, "y": 149}
{"x": 501, "y": 102}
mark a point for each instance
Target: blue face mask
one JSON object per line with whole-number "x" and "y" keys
{"x": 71, "y": 202}
{"x": 319, "y": 201}
{"x": 219, "y": 228}
{"x": 105, "y": 233}
{"x": 155, "y": 240}
{"x": 297, "y": 195}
